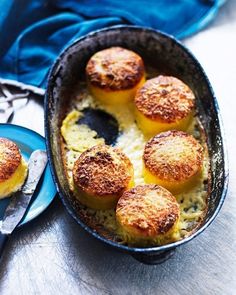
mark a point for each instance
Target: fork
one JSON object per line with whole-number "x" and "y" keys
{"x": 6, "y": 103}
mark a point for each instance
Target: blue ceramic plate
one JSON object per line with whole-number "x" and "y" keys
{"x": 28, "y": 141}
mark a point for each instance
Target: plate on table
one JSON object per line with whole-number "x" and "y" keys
{"x": 28, "y": 141}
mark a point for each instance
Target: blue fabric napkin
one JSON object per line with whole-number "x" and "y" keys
{"x": 34, "y": 32}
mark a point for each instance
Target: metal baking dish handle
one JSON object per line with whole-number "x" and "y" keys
{"x": 154, "y": 258}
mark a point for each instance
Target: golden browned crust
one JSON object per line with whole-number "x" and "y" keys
{"x": 165, "y": 99}
{"x": 149, "y": 210}
{"x": 173, "y": 156}
{"x": 115, "y": 68}
{"x": 102, "y": 170}
{"x": 10, "y": 158}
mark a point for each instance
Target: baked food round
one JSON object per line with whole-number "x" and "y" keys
{"x": 115, "y": 74}
{"x": 13, "y": 168}
{"x": 147, "y": 212}
{"x": 173, "y": 159}
{"x": 101, "y": 174}
{"x": 164, "y": 103}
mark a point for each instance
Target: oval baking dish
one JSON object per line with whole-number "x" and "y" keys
{"x": 173, "y": 59}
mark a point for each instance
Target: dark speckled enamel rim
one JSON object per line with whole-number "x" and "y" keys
{"x": 132, "y": 250}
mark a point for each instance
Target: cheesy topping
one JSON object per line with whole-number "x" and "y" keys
{"x": 165, "y": 99}
{"x": 131, "y": 140}
{"x": 115, "y": 68}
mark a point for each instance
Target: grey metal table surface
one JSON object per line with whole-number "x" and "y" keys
{"x": 53, "y": 255}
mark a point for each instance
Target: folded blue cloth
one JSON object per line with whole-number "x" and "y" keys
{"x": 33, "y": 32}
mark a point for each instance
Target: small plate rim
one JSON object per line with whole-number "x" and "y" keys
{"x": 32, "y": 214}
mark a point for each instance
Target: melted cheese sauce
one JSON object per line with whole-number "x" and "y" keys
{"x": 131, "y": 140}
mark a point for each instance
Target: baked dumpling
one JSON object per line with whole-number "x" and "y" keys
{"x": 164, "y": 103}
{"x": 101, "y": 174}
{"x": 115, "y": 74}
{"x": 13, "y": 168}
{"x": 147, "y": 213}
{"x": 173, "y": 159}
